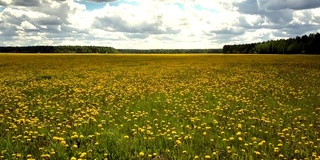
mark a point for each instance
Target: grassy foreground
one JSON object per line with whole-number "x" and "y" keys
{"x": 159, "y": 107}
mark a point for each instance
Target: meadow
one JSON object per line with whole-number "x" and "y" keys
{"x": 159, "y": 107}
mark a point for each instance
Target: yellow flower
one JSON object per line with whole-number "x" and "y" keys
{"x": 207, "y": 157}
{"x": 141, "y": 154}
{"x": 184, "y": 152}
{"x": 83, "y": 154}
{"x": 45, "y": 156}
{"x": 196, "y": 157}
{"x": 63, "y": 142}
{"x": 73, "y": 158}
{"x": 74, "y": 136}
{"x": 257, "y": 153}
{"x": 276, "y": 149}
{"x": 126, "y": 137}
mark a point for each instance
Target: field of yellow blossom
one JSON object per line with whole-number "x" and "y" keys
{"x": 159, "y": 107}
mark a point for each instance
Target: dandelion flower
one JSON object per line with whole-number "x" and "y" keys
{"x": 141, "y": 154}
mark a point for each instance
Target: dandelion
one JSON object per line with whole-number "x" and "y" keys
{"x": 73, "y": 158}
{"x": 83, "y": 154}
{"x": 45, "y": 156}
{"x": 63, "y": 143}
{"x": 75, "y": 146}
{"x": 207, "y": 157}
{"x": 141, "y": 154}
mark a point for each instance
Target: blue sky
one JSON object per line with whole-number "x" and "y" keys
{"x": 154, "y": 23}
{"x": 93, "y": 5}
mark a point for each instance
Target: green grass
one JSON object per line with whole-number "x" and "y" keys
{"x": 159, "y": 107}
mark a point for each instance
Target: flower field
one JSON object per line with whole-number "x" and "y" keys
{"x": 159, "y": 107}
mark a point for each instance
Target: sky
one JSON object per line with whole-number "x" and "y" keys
{"x": 154, "y": 24}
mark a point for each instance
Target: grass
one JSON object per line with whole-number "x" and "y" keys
{"x": 159, "y": 107}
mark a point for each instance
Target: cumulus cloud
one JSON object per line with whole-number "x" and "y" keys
{"x": 155, "y": 23}
{"x": 288, "y": 4}
{"x": 27, "y": 25}
{"x": 26, "y": 3}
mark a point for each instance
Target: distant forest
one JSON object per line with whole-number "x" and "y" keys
{"x": 96, "y": 49}
{"x": 58, "y": 49}
{"x": 299, "y": 45}
{"x": 169, "y": 51}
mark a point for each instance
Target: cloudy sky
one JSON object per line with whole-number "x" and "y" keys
{"x": 154, "y": 23}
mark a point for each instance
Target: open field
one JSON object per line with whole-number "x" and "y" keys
{"x": 159, "y": 107}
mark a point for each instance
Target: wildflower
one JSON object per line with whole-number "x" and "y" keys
{"x": 45, "y": 156}
{"x": 126, "y": 137}
{"x": 73, "y": 158}
{"x": 63, "y": 143}
{"x": 83, "y": 154}
{"x": 257, "y": 153}
{"x": 141, "y": 154}
{"x": 207, "y": 157}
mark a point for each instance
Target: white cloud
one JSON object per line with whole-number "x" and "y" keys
{"x": 27, "y": 25}
{"x": 154, "y": 23}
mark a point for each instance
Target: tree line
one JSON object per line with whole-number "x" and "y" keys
{"x": 170, "y": 51}
{"x": 299, "y": 45}
{"x": 98, "y": 49}
{"x": 58, "y": 49}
